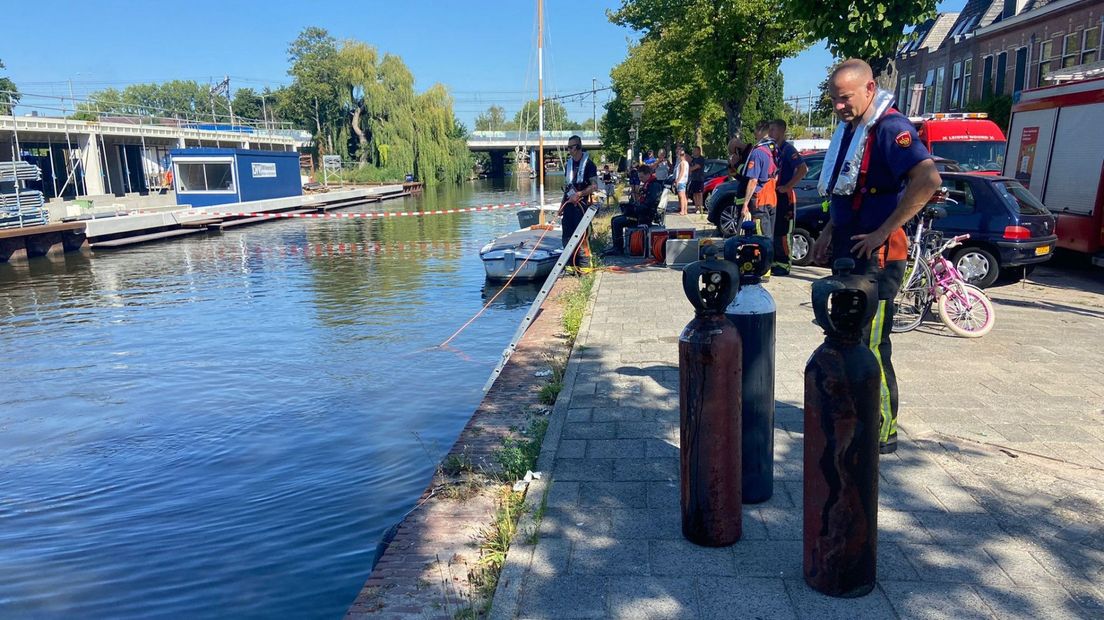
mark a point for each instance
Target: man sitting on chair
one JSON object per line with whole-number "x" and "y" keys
{"x": 636, "y": 213}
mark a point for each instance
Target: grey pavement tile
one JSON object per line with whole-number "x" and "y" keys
{"x": 551, "y": 557}
{"x": 722, "y": 598}
{"x": 648, "y": 523}
{"x": 813, "y": 605}
{"x": 646, "y": 469}
{"x": 583, "y": 469}
{"x": 753, "y": 526}
{"x": 893, "y": 565}
{"x": 593, "y": 400}
{"x": 898, "y": 526}
{"x": 615, "y": 449}
{"x": 1051, "y": 603}
{"x": 1018, "y": 563}
{"x": 644, "y": 430}
{"x": 661, "y": 448}
{"x": 619, "y": 414}
{"x": 653, "y": 598}
{"x": 602, "y": 555}
{"x": 664, "y": 494}
{"x": 613, "y": 495}
{"x": 584, "y": 387}
{"x": 574, "y": 523}
{"x": 935, "y": 601}
{"x": 782, "y": 522}
{"x": 564, "y": 596}
{"x": 954, "y": 563}
{"x": 562, "y": 493}
{"x": 955, "y": 499}
{"x": 962, "y": 528}
{"x": 571, "y": 449}
{"x": 590, "y": 430}
{"x": 581, "y": 415}
{"x": 768, "y": 558}
{"x": 684, "y": 558}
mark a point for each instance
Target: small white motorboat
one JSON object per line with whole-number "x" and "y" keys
{"x": 526, "y": 254}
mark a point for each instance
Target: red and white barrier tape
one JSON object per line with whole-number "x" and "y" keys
{"x": 376, "y": 215}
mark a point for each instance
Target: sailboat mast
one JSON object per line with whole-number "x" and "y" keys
{"x": 540, "y": 102}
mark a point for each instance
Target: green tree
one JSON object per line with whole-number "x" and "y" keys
{"x": 9, "y": 94}
{"x": 314, "y": 97}
{"x": 247, "y": 106}
{"x": 871, "y": 31}
{"x": 555, "y": 117}
{"x": 722, "y": 50}
{"x": 494, "y": 119}
{"x": 183, "y": 99}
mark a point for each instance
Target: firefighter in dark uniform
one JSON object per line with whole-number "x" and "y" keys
{"x": 761, "y": 169}
{"x": 580, "y": 181}
{"x": 893, "y": 182}
{"x": 791, "y": 169}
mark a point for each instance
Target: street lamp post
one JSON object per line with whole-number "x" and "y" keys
{"x": 637, "y": 109}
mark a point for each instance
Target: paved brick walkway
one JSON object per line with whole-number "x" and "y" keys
{"x": 992, "y": 508}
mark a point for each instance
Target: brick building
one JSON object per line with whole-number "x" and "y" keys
{"x": 999, "y": 47}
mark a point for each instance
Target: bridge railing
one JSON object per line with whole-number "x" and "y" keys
{"x": 528, "y": 137}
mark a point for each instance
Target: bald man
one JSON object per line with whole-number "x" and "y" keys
{"x": 894, "y": 182}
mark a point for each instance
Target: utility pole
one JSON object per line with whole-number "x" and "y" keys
{"x": 810, "y": 121}
{"x": 594, "y": 102}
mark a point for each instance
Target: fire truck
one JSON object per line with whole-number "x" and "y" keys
{"x": 969, "y": 138}
{"x": 1056, "y": 149}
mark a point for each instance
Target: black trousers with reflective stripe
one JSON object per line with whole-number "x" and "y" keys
{"x": 783, "y": 228}
{"x": 889, "y": 278}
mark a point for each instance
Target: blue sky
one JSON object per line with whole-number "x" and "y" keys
{"x": 483, "y": 51}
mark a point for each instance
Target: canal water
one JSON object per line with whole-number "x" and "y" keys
{"x": 226, "y": 425}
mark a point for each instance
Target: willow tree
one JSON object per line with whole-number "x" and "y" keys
{"x": 397, "y": 129}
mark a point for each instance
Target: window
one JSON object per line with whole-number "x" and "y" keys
{"x": 1071, "y": 51}
{"x": 956, "y": 85}
{"x": 208, "y": 176}
{"x": 1045, "y": 66}
{"x": 1090, "y": 48}
{"x": 940, "y": 80}
{"x": 987, "y": 77}
{"x": 929, "y": 92}
{"x": 1016, "y": 195}
{"x": 1002, "y": 70}
{"x": 1021, "y": 70}
{"x": 960, "y": 197}
{"x": 967, "y": 66}
{"x": 815, "y": 164}
{"x": 909, "y": 93}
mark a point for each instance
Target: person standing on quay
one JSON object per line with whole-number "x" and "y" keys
{"x": 762, "y": 173}
{"x": 580, "y": 181}
{"x": 791, "y": 169}
{"x": 697, "y": 179}
{"x": 682, "y": 178}
{"x": 662, "y": 167}
{"x": 874, "y": 190}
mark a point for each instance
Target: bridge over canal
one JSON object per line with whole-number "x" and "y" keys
{"x": 500, "y": 143}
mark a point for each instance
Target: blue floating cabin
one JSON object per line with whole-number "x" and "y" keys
{"x": 203, "y": 177}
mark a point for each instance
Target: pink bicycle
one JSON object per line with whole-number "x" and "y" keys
{"x": 929, "y": 277}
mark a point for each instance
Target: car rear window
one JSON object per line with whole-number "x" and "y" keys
{"x": 815, "y": 164}
{"x": 1018, "y": 196}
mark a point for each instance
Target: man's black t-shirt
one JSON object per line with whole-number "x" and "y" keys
{"x": 697, "y": 176}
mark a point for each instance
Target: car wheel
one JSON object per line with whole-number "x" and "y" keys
{"x": 801, "y": 247}
{"x": 977, "y": 265}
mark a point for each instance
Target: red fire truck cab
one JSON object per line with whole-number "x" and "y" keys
{"x": 969, "y": 138}
{"x": 1056, "y": 149}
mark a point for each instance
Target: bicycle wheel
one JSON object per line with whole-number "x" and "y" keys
{"x": 966, "y": 311}
{"x": 913, "y": 299}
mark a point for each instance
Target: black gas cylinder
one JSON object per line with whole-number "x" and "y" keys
{"x": 752, "y": 312}
{"x": 842, "y": 382}
{"x": 709, "y": 403}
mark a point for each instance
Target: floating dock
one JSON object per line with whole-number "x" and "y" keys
{"x": 143, "y": 227}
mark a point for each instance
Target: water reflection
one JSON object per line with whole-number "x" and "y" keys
{"x": 224, "y": 425}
